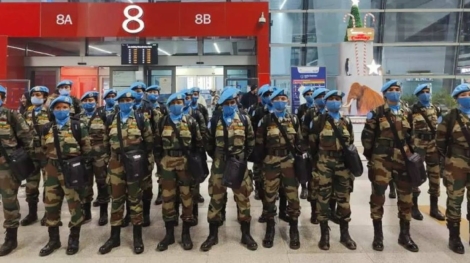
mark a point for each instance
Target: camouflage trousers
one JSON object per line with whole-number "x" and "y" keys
{"x": 9, "y": 191}
{"x": 381, "y": 172}
{"x": 32, "y": 186}
{"x": 275, "y": 170}
{"x": 175, "y": 174}
{"x": 218, "y": 192}
{"x": 429, "y": 152}
{"x": 55, "y": 191}
{"x": 147, "y": 183}
{"x": 456, "y": 179}
{"x": 122, "y": 189}
{"x": 333, "y": 177}
{"x": 100, "y": 173}
{"x": 257, "y": 172}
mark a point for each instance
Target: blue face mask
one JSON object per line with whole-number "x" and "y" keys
{"x": 279, "y": 105}
{"x": 424, "y": 98}
{"x": 393, "y": 96}
{"x": 37, "y": 101}
{"x": 309, "y": 99}
{"x": 464, "y": 103}
{"x": 89, "y": 106}
{"x": 61, "y": 116}
{"x": 176, "y": 109}
{"x": 152, "y": 97}
{"x": 126, "y": 107}
{"x": 187, "y": 102}
{"x": 194, "y": 99}
{"x": 138, "y": 96}
{"x": 265, "y": 100}
{"x": 110, "y": 102}
{"x": 320, "y": 102}
{"x": 333, "y": 105}
{"x": 229, "y": 111}
{"x": 64, "y": 92}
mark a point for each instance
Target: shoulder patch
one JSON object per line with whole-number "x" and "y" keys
{"x": 370, "y": 115}
{"x": 439, "y": 120}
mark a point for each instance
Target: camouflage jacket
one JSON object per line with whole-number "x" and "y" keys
{"x": 300, "y": 112}
{"x": 42, "y": 117}
{"x": 69, "y": 146}
{"x": 322, "y": 136}
{"x": 417, "y": 121}
{"x": 96, "y": 127}
{"x": 307, "y": 119}
{"x": 449, "y": 135}
{"x": 165, "y": 137}
{"x": 76, "y": 107}
{"x": 269, "y": 135}
{"x": 14, "y": 131}
{"x": 377, "y": 129}
{"x": 132, "y": 137}
{"x": 257, "y": 113}
{"x": 203, "y": 111}
{"x": 241, "y": 139}
{"x": 200, "y": 119}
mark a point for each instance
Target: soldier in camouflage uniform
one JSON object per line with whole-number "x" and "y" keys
{"x": 385, "y": 163}
{"x": 12, "y": 128}
{"x": 175, "y": 173}
{"x": 278, "y": 165}
{"x": 330, "y": 171}
{"x": 40, "y": 113}
{"x": 136, "y": 134}
{"x": 63, "y": 88}
{"x": 240, "y": 136}
{"x": 54, "y": 184}
{"x": 312, "y": 112}
{"x": 423, "y": 138}
{"x": 96, "y": 121}
{"x": 453, "y": 142}
{"x": 258, "y": 112}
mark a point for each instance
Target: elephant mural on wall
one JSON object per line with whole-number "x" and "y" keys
{"x": 366, "y": 98}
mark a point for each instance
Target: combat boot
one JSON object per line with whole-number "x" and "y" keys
{"x": 169, "y": 238}
{"x": 87, "y": 212}
{"x": 283, "y": 207}
{"x": 32, "y": 215}
{"x": 103, "y": 220}
{"x": 404, "y": 239}
{"x": 127, "y": 218}
{"x": 313, "y": 215}
{"x": 113, "y": 241}
{"x": 195, "y": 214}
{"x": 415, "y": 213}
{"x": 435, "y": 210}
{"x": 393, "y": 191}
{"x": 303, "y": 192}
{"x": 247, "y": 239}
{"x": 455, "y": 243}
{"x": 294, "y": 242}
{"x": 74, "y": 240}
{"x": 213, "y": 237}
{"x": 345, "y": 238}
{"x": 186, "y": 236}
{"x": 138, "y": 242}
{"x": 159, "y": 199}
{"x": 324, "y": 243}
{"x": 53, "y": 244}
{"x": 262, "y": 218}
{"x": 146, "y": 212}
{"x": 333, "y": 217}
{"x": 378, "y": 243}
{"x": 11, "y": 241}
{"x": 268, "y": 240}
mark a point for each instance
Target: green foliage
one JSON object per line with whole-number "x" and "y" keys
{"x": 357, "y": 17}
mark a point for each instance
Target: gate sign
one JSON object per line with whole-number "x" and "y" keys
{"x": 302, "y": 77}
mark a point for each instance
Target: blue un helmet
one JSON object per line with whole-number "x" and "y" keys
{"x": 423, "y": 97}
{"x": 152, "y": 97}
{"x": 228, "y": 94}
{"x": 138, "y": 85}
{"x": 61, "y": 116}
{"x": 126, "y": 107}
{"x": 65, "y": 92}
{"x": 89, "y": 106}
{"x": 391, "y": 96}
{"x": 277, "y": 92}
{"x": 264, "y": 92}
{"x": 460, "y": 89}
{"x": 333, "y": 105}
{"x": 127, "y": 93}
{"x": 60, "y": 99}
{"x": 42, "y": 89}
{"x": 175, "y": 96}
{"x": 90, "y": 94}
{"x": 153, "y": 87}
{"x": 279, "y": 106}
{"x": 109, "y": 91}
{"x": 319, "y": 102}
{"x": 263, "y": 89}
{"x": 176, "y": 110}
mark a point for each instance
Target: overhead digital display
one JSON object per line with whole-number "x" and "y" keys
{"x": 139, "y": 54}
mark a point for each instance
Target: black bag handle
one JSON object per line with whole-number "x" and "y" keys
{"x": 290, "y": 147}
{"x": 339, "y": 135}
{"x": 224, "y": 125}
{"x": 464, "y": 129}
{"x": 395, "y": 135}
{"x": 119, "y": 132}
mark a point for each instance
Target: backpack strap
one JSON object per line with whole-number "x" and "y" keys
{"x": 76, "y": 130}
{"x": 161, "y": 123}
{"x": 110, "y": 119}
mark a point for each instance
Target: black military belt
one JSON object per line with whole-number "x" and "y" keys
{"x": 460, "y": 151}
{"x": 424, "y": 136}
{"x": 174, "y": 153}
{"x": 332, "y": 153}
{"x": 387, "y": 143}
{"x": 279, "y": 153}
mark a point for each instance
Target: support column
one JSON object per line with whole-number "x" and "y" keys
{"x": 263, "y": 53}
{"x": 3, "y": 56}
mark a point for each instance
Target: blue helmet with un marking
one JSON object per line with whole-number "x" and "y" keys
{"x": 61, "y": 99}
{"x": 42, "y": 89}
{"x": 3, "y": 90}
{"x": 277, "y": 92}
{"x": 90, "y": 94}
{"x": 127, "y": 93}
{"x": 175, "y": 96}
{"x": 138, "y": 85}
{"x": 64, "y": 82}
{"x": 110, "y": 91}
{"x": 421, "y": 87}
{"x": 228, "y": 94}
{"x": 319, "y": 92}
{"x": 459, "y": 89}
{"x": 389, "y": 84}
{"x": 263, "y": 89}
{"x": 153, "y": 87}
{"x": 332, "y": 93}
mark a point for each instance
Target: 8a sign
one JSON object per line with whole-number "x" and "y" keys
{"x": 136, "y": 18}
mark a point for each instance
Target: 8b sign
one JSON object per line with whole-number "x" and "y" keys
{"x": 202, "y": 19}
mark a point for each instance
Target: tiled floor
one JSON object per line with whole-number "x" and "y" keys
{"x": 430, "y": 235}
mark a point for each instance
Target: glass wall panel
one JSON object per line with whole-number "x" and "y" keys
{"x": 282, "y": 58}
{"x": 422, "y": 60}
{"x": 108, "y": 46}
{"x": 230, "y": 46}
{"x": 420, "y": 27}
{"x": 330, "y": 28}
{"x": 285, "y": 4}
{"x": 286, "y": 27}
{"x": 422, "y": 4}
{"x": 47, "y": 47}
{"x": 324, "y": 57}
{"x": 330, "y": 4}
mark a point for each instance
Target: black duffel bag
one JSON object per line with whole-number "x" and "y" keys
{"x": 135, "y": 164}
{"x": 234, "y": 172}
{"x": 21, "y": 164}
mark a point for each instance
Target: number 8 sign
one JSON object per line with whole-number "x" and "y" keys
{"x": 136, "y": 18}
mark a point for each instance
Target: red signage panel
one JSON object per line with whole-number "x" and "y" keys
{"x": 206, "y": 20}
{"x": 20, "y": 19}
{"x": 61, "y": 19}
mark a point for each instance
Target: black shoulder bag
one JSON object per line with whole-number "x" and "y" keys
{"x": 73, "y": 169}
{"x": 135, "y": 162}
{"x": 194, "y": 159}
{"x": 414, "y": 164}
{"x": 234, "y": 170}
{"x": 352, "y": 160}
{"x": 301, "y": 161}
